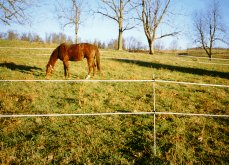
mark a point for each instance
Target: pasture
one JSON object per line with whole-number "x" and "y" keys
{"x": 126, "y": 139}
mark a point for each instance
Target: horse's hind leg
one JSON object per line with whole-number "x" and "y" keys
{"x": 66, "y": 69}
{"x": 91, "y": 64}
{"x": 94, "y": 70}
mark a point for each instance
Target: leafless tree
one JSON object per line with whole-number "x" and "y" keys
{"x": 116, "y": 10}
{"x": 37, "y": 38}
{"x": 113, "y": 44}
{"x": 16, "y": 10}
{"x": 95, "y": 43}
{"x": 3, "y": 35}
{"x": 70, "y": 13}
{"x": 159, "y": 45}
{"x": 69, "y": 40}
{"x": 174, "y": 45}
{"x": 12, "y": 35}
{"x": 152, "y": 13}
{"x": 57, "y": 38}
{"x": 99, "y": 44}
{"x": 131, "y": 42}
{"x": 209, "y": 27}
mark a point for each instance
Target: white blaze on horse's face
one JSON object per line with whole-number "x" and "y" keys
{"x": 51, "y": 67}
{"x": 49, "y": 70}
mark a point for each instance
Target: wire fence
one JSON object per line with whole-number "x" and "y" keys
{"x": 111, "y": 114}
{"x": 23, "y": 48}
{"x": 207, "y": 63}
{"x": 162, "y": 81}
{"x": 154, "y": 113}
{"x": 31, "y": 49}
{"x": 203, "y": 57}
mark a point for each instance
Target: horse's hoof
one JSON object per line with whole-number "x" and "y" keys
{"x": 88, "y": 76}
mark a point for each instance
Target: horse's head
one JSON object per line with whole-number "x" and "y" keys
{"x": 49, "y": 70}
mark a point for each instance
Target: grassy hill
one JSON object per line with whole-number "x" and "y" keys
{"x": 25, "y": 44}
{"x": 112, "y": 139}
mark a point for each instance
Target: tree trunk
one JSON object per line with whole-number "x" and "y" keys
{"x": 76, "y": 32}
{"x": 120, "y": 26}
{"x": 151, "y": 46}
{"x": 210, "y": 51}
{"x": 210, "y": 54}
{"x": 120, "y": 39}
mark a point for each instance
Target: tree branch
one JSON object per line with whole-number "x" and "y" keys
{"x": 16, "y": 10}
{"x": 219, "y": 39}
{"x": 107, "y": 16}
{"x": 166, "y": 35}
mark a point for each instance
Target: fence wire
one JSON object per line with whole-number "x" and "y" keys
{"x": 154, "y": 113}
{"x": 110, "y": 114}
{"x": 162, "y": 81}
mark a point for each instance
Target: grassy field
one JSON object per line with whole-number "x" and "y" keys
{"x": 112, "y": 139}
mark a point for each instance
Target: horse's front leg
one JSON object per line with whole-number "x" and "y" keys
{"x": 66, "y": 69}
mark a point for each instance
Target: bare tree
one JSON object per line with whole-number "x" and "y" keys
{"x": 130, "y": 41}
{"x": 103, "y": 46}
{"x": 12, "y": 35}
{"x": 159, "y": 45}
{"x": 15, "y": 10}
{"x": 3, "y": 35}
{"x": 70, "y": 12}
{"x": 174, "y": 45}
{"x": 27, "y": 37}
{"x": 99, "y": 44}
{"x": 119, "y": 8}
{"x": 69, "y": 40}
{"x": 113, "y": 44}
{"x": 208, "y": 28}
{"x": 133, "y": 44}
{"x": 152, "y": 15}
{"x": 95, "y": 43}
{"x": 37, "y": 38}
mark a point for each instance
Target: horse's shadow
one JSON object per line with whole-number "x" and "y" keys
{"x": 21, "y": 68}
{"x": 196, "y": 71}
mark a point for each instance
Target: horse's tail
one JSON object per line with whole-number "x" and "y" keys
{"x": 97, "y": 56}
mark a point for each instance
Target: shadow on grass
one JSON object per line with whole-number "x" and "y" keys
{"x": 22, "y": 68}
{"x": 196, "y": 71}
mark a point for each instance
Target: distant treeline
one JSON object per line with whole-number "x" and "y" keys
{"x": 129, "y": 43}
{"x": 33, "y": 37}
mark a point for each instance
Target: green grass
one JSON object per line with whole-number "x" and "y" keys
{"x": 111, "y": 139}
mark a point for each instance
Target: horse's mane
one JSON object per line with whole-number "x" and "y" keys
{"x": 55, "y": 54}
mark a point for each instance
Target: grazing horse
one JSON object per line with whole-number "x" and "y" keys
{"x": 75, "y": 52}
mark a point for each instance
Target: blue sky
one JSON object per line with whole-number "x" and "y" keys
{"x": 105, "y": 29}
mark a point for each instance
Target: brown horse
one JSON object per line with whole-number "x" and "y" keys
{"x": 74, "y": 52}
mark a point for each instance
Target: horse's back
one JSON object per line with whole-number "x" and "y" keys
{"x": 86, "y": 47}
{"x": 77, "y": 52}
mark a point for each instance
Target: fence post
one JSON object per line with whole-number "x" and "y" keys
{"x": 154, "y": 116}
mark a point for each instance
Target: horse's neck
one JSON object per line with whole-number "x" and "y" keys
{"x": 52, "y": 61}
